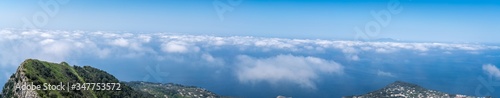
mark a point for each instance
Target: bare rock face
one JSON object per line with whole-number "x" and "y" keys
{"x": 18, "y": 79}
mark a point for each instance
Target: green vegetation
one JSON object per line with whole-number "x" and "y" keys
{"x": 7, "y": 92}
{"x": 40, "y": 72}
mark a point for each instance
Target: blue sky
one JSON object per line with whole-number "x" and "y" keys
{"x": 420, "y": 20}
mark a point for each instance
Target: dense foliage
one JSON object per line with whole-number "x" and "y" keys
{"x": 40, "y": 72}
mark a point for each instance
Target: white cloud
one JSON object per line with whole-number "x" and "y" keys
{"x": 420, "y": 47}
{"x": 385, "y": 74}
{"x": 383, "y": 50}
{"x": 491, "y": 70}
{"x": 32, "y": 32}
{"x": 47, "y": 41}
{"x": 120, "y": 42}
{"x": 175, "y": 47}
{"x": 285, "y": 68}
{"x": 56, "y": 51}
{"x": 145, "y": 38}
{"x": 18, "y": 45}
{"x": 103, "y": 53}
{"x": 211, "y": 60}
{"x": 352, "y": 57}
{"x": 208, "y": 57}
{"x": 46, "y": 35}
{"x": 7, "y": 34}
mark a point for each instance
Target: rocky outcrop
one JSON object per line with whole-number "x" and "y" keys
{"x": 16, "y": 80}
{"x": 35, "y": 78}
{"x": 78, "y": 83}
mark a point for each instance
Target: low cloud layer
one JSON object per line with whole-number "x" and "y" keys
{"x": 54, "y": 45}
{"x": 491, "y": 70}
{"x": 293, "y": 60}
{"x": 285, "y": 68}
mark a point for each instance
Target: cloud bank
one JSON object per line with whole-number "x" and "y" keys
{"x": 285, "y": 68}
{"x": 55, "y": 45}
{"x": 292, "y": 60}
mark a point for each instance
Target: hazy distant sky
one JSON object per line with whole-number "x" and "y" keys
{"x": 420, "y": 20}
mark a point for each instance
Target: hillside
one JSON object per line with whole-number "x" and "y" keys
{"x": 35, "y": 78}
{"x": 400, "y": 89}
{"x": 172, "y": 90}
